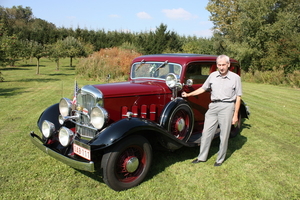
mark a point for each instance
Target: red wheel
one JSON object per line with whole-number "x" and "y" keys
{"x": 127, "y": 163}
{"x": 181, "y": 122}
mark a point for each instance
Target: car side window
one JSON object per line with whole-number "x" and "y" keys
{"x": 234, "y": 67}
{"x": 198, "y": 72}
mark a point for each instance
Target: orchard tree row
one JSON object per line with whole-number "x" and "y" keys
{"x": 24, "y": 36}
{"x": 263, "y": 35}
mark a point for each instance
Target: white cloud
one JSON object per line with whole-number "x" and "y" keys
{"x": 179, "y": 13}
{"x": 143, "y": 15}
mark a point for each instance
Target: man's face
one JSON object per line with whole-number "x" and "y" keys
{"x": 223, "y": 66}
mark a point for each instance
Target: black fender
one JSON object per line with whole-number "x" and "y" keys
{"x": 170, "y": 108}
{"x": 130, "y": 126}
{"x": 51, "y": 114}
{"x": 244, "y": 110}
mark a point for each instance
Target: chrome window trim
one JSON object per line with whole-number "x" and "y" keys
{"x": 153, "y": 62}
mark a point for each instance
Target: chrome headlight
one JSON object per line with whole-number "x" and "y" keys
{"x": 99, "y": 117}
{"x": 171, "y": 80}
{"x": 61, "y": 120}
{"x": 48, "y": 128}
{"x": 65, "y": 107}
{"x": 65, "y": 136}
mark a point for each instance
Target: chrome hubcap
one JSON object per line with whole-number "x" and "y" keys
{"x": 180, "y": 124}
{"x": 132, "y": 164}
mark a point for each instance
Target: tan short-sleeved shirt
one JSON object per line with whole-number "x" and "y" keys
{"x": 225, "y": 88}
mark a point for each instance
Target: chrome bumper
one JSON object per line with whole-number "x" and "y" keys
{"x": 86, "y": 166}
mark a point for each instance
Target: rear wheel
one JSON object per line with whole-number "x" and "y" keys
{"x": 127, "y": 163}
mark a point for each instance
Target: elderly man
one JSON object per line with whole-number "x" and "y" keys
{"x": 226, "y": 92}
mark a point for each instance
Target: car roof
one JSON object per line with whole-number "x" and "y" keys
{"x": 181, "y": 58}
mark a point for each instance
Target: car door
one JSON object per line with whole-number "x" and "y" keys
{"x": 198, "y": 73}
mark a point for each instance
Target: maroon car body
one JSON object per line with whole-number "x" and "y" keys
{"x": 118, "y": 125}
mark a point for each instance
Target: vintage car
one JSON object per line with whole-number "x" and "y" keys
{"x": 114, "y": 127}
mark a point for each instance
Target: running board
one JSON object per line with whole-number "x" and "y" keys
{"x": 196, "y": 138}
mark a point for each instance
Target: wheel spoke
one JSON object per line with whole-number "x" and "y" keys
{"x": 180, "y": 124}
{"x": 122, "y": 172}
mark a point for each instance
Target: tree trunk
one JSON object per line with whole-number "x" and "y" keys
{"x": 57, "y": 64}
{"x": 71, "y": 58}
{"x": 38, "y": 66}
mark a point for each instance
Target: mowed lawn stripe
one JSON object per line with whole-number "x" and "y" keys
{"x": 262, "y": 162}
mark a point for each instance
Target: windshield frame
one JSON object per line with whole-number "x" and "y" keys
{"x": 154, "y": 70}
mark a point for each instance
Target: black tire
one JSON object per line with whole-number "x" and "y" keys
{"x": 181, "y": 122}
{"x": 127, "y": 163}
{"x": 236, "y": 129}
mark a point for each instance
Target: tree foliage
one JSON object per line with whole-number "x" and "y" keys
{"x": 38, "y": 51}
{"x": 33, "y": 35}
{"x": 263, "y": 35}
{"x": 56, "y": 52}
{"x": 198, "y": 45}
{"x": 159, "y": 41}
{"x": 72, "y": 48}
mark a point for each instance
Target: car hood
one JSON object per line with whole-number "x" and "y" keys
{"x": 132, "y": 88}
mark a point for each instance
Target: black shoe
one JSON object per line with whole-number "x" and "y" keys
{"x": 217, "y": 164}
{"x": 197, "y": 161}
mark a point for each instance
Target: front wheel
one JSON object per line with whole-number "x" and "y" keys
{"x": 127, "y": 163}
{"x": 180, "y": 123}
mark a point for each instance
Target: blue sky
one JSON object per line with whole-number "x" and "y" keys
{"x": 185, "y": 17}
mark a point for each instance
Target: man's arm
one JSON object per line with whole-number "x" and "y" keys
{"x": 236, "y": 110}
{"x": 194, "y": 93}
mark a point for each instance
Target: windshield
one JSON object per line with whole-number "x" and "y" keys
{"x": 154, "y": 69}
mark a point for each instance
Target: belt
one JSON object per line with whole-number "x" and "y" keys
{"x": 217, "y": 101}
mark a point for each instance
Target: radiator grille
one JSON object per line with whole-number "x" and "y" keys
{"x": 85, "y": 131}
{"x": 87, "y": 98}
{"x": 87, "y": 101}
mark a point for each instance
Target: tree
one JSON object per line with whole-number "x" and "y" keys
{"x": 73, "y": 48}
{"x": 261, "y": 36}
{"x": 42, "y": 31}
{"x": 56, "y": 51}
{"x": 15, "y": 18}
{"x": 10, "y": 49}
{"x": 224, "y": 13}
{"x": 38, "y": 51}
{"x": 159, "y": 41}
{"x": 198, "y": 45}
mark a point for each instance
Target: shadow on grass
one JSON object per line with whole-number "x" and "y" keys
{"x": 60, "y": 74}
{"x": 33, "y": 65}
{"x": 23, "y": 67}
{"x": 67, "y": 67}
{"x": 42, "y": 80}
{"x": 10, "y": 91}
{"x": 97, "y": 176}
{"x": 163, "y": 159}
{"x": 234, "y": 143}
{"x": 13, "y": 68}
{"x": 70, "y": 68}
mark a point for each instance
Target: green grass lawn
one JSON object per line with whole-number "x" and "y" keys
{"x": 262, "y": 163}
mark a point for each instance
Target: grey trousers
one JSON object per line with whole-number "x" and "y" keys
{"x": 218, "y": 114}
